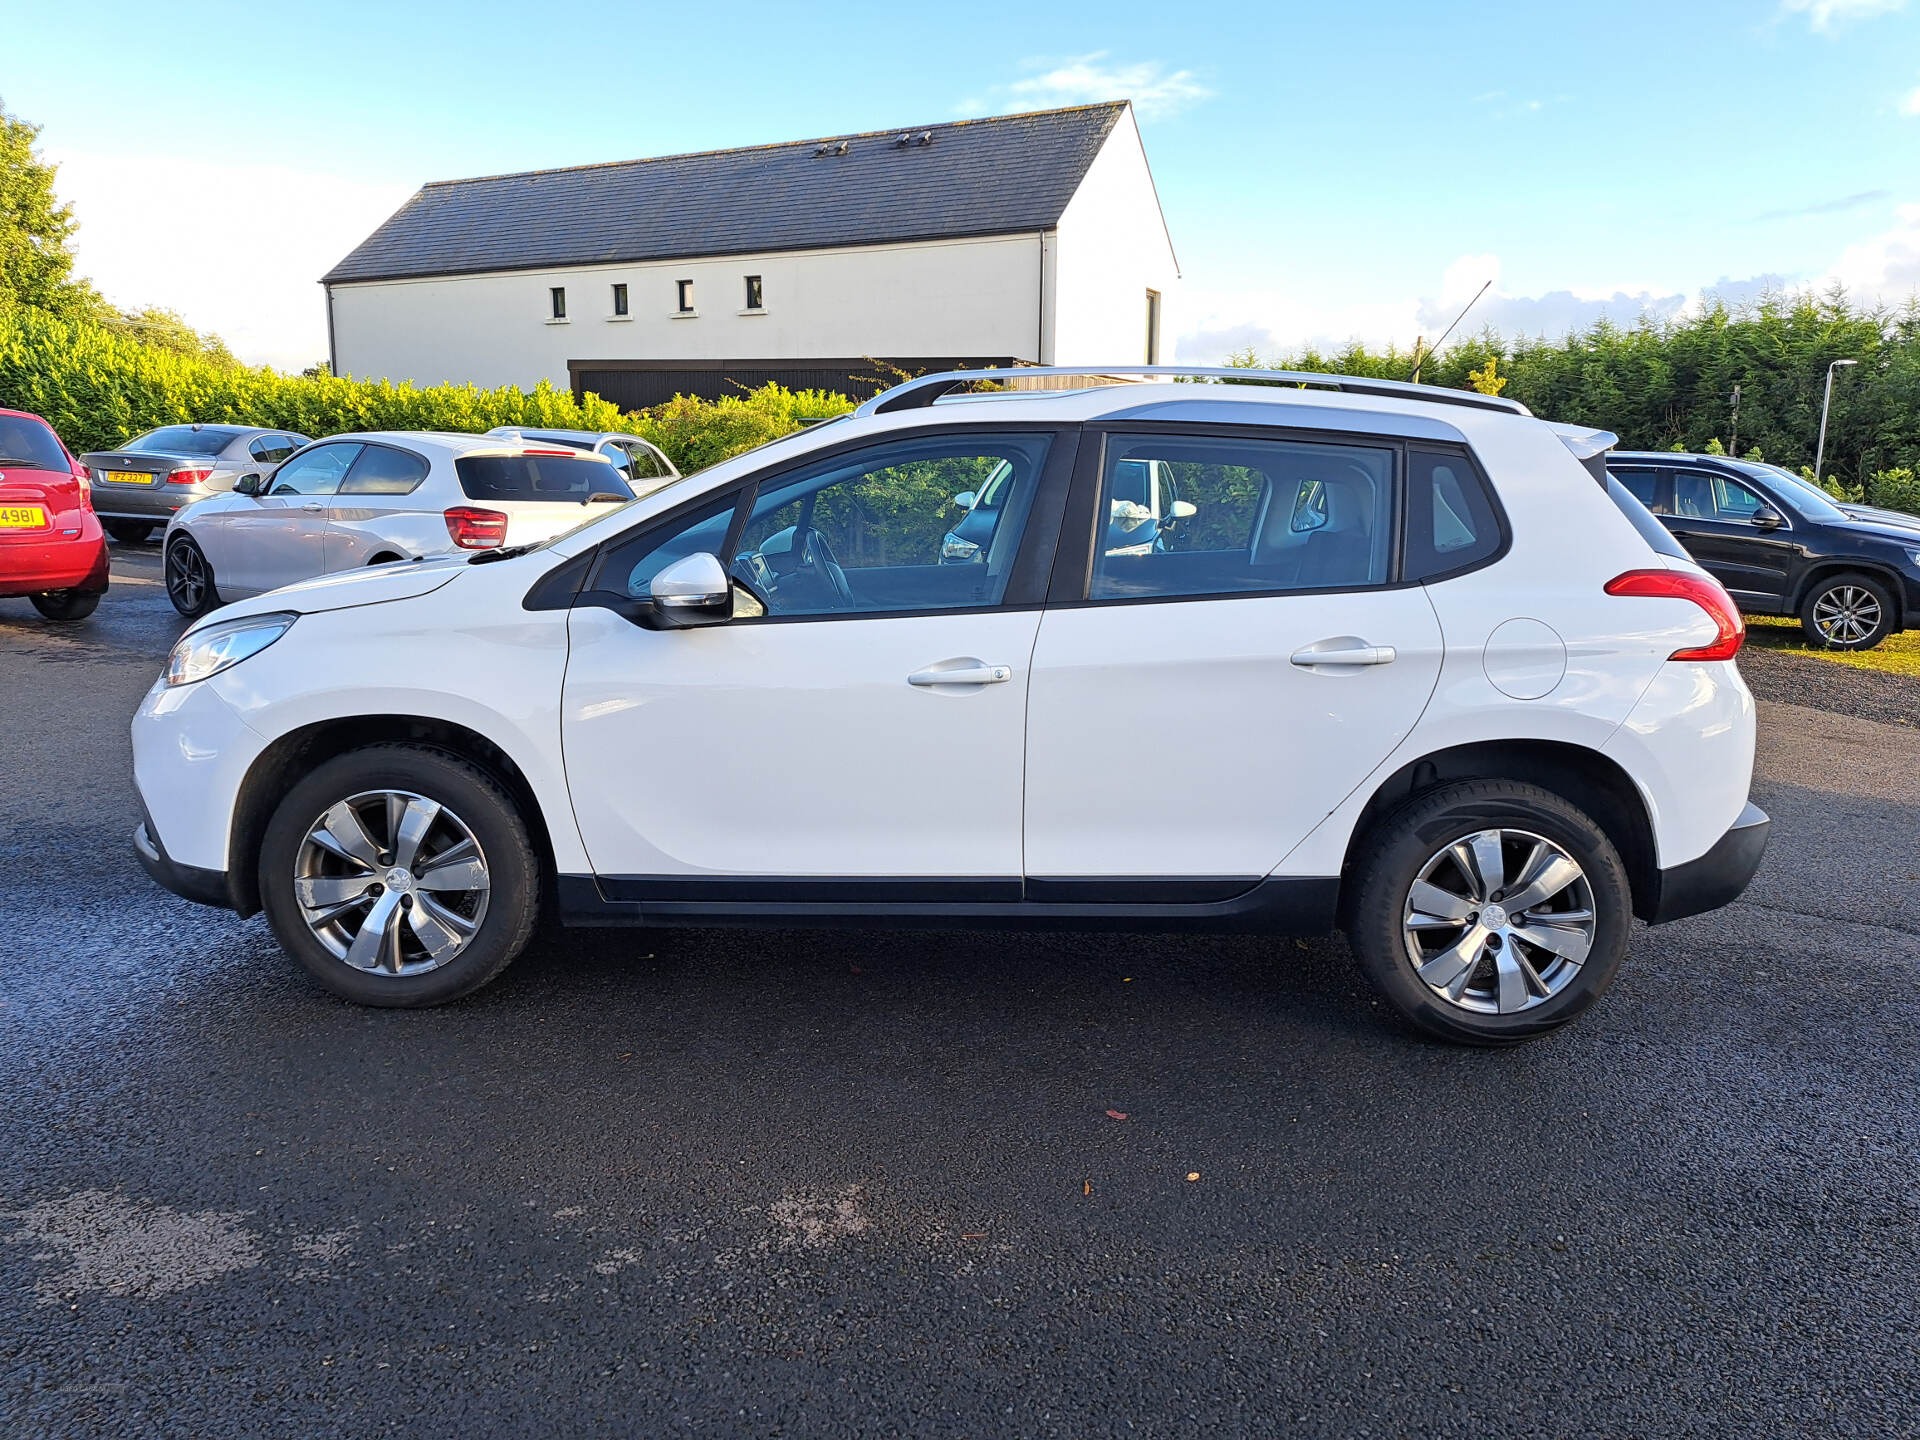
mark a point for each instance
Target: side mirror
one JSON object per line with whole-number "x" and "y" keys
{"x": 965, "y": 499}
{"x": 1183, "y": 510}
{"x": 1766, "y": 518}
{"x": 692, "y": 591}
{"x": 247, "y": 485}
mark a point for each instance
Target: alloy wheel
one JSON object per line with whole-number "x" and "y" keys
{"x": 1846, "y": 614}
{"x": 1499, "y": 921}
{"x": 187, "y": 578}
{"x": 391, "y": 882}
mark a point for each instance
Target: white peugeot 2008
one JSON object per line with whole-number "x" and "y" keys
{"x": 1404, "y": 663}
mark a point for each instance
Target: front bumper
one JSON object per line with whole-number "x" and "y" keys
{"x": 206, "y": 887}
{"x": 1718, "y": 877}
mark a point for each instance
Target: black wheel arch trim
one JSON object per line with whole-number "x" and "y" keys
{"x": 1718, "y": 877}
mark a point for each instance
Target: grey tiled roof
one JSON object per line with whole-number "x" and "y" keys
{"x": 977, "y": 177}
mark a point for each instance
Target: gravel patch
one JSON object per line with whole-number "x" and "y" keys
{"x": 1842, "y": 689}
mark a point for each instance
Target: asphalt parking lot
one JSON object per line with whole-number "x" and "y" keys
{"x": 793, "y": 1183}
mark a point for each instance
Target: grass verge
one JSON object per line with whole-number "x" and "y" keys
{"x": 1896, "y": 655}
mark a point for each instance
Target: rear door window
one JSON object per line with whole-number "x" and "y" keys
{"x": 534, "y": 476}
{"x": 1270, "y": 516}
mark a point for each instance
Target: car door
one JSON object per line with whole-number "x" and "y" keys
{"x": 1198, "y": 706}
{"x": 856, "y": 732}
{"x": 278, "y": 538}
{"x": 1714, "y": 516}
{"x": 371, "y": 514}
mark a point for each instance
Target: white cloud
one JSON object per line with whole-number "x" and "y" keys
{"x": 1826, "y": 14}
{"x": 1910, "y": 102}
{"x": 236, "y": 249}
{"x": 1883, "y": 267}
{"x": 1155, "y": 90}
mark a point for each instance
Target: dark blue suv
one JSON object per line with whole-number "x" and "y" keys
{"x": 1782, "y": 546}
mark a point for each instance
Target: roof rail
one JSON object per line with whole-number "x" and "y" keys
{"x": 923, "y": 390}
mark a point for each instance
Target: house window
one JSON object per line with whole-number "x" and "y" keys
{"x": 619, "y": 299}
{"x": 755, "y": 300}
{"x": 559, "y": 296}
{"x": 685, "y": 291}
{"x": 1153, "y": 327}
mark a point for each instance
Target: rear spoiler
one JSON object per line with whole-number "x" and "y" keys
{"x": 1589, "y": 447}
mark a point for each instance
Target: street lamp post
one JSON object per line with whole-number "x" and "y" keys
{"x": 1820, "y": 454}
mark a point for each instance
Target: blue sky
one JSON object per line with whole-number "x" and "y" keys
{"x": 1328, "y": 171}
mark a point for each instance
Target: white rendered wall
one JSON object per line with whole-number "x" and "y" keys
{"x": 940, "y": 298}
{"x": 1113, "y": 248}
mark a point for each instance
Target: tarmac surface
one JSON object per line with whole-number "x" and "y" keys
{"x": 751, "y": 1183}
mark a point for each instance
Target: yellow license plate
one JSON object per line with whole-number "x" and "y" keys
{"x": 22, "y": 517}
{"x": 131, "y": 477}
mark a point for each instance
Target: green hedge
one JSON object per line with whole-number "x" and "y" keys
{"x": 98, "y": 389}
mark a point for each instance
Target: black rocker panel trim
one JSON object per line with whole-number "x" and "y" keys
{"x": 1288, "y": 905}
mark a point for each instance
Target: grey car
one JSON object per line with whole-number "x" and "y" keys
{"x": 140, "y": 485}
{"x": 644, "y": 466}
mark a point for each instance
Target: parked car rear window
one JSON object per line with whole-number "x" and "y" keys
{"x": 1269, "y": 516}
{"x": 381, "y": 470}
{"x": 1651, "y": 530}
{"x": 538, "y": 477}
{"x": 182, "y": 440}
{"x": 29, "y": 442}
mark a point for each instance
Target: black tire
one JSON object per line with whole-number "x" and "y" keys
{"x": 67, "y": 604}
{"x": 129, "y": 532}
{"x": 191, "y": 584}
{"x": 481, "y": 805}
{"x": 1849, "y": 612}
{"x": 1403, "y": 843}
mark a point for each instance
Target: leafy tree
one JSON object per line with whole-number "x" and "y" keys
{"x": 36, "y": 265}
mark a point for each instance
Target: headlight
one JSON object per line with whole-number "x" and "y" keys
{"x": 206, "y": 652}
{"x": 1143, "y": 549}
{"x": 1913, "y": 558}
{"x": 954, "y": 548}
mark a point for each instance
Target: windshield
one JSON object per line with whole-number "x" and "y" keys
{"x": 28, "y": 442}
{"x": 1808, "y": 498}
{"x": 181, "y": 440}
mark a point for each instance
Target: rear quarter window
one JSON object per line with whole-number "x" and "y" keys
{"x": 1451, "y": 521}
{"x": 539, "y": 477}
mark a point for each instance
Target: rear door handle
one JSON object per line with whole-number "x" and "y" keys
{"x": 1342, "y": 651}
{"x": 965, "y": 671}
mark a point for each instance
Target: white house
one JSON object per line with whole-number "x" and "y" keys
{"x": 1024, "y": 238}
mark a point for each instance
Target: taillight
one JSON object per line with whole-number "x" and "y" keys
{"x": 1703, "y": 591}
{"x": 476, "y": 529}
{"x": 188, "y": 476}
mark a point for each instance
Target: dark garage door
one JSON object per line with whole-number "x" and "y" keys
{"x": 638, "y": 384}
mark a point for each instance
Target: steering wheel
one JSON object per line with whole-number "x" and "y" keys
{"x": 816, "y": 554}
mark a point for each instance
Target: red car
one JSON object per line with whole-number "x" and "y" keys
{"x": 52, "y": 549}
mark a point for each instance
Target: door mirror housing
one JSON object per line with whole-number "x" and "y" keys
{"x": 1767, "y": 518}
{"x": 249, "y": 484}
{"x": 1183, "y": 510}
{"x": 965, "y": 499}
{"x": 692, "y": 591}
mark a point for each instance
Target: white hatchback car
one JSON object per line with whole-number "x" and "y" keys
{"x": 1412, "y": 667}
{"x": 368, "y": 499}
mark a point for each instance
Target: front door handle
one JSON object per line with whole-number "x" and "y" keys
{"x": 1342, "y": 651}
{"x": 963, "y": 671}
{"x": 315, "y": 507}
